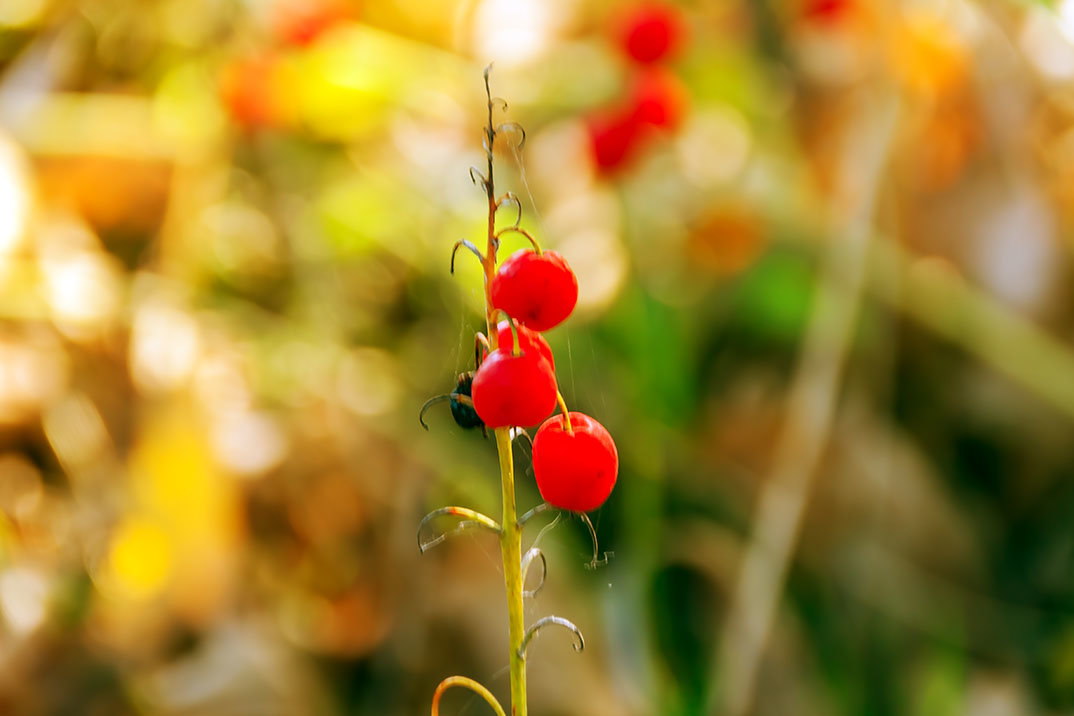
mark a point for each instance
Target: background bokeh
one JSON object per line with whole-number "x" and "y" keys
{"x": 827, "y": 311}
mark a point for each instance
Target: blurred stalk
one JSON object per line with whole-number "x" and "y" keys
{"x": 811, "y": 405}
{"x": 941, "y": 300}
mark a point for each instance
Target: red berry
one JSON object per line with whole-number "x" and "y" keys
{"x": 658, "y": 98}
{"x": 614, "y": 138}
{"x": 537, "y": 290}
{"x": 510, "y": 390}
{"x": 651, "y": 32}
{"x": 826, "y": 11}
{"x": 248, "y": 91}
{"x": 300, "y": 22}
{"x": 575, "y": 470}
{"x": 529, "y": 341}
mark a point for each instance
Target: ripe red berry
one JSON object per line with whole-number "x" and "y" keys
{"x": 575, "y": 470}
{"x": 650, "y": 32}
{"x": 537, "y": 290}
{"x": 529, "y": 341}
{"x": 658, "y": 98}
{"x": 510, "y": 390}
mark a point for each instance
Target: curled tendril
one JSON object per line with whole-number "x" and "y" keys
{"x": 477, "y": 177}
{"x": 543, "y": 507}
{"x": 464, "y": 244}
{"x": 532, "y": 554}
{"x": 430, "y": 403}
{"x": 595, "y": 562}
{"x": 480, "y": 341}
{"x": 499, "y": 101}
{"x": 453, "y": 395}
{"x": 513, "y": 127}
{"x": 579, "y": 643}
{"x": 466, "y": 683}
{"x": 472, "y": 520}
{"x": 519, "y": 230}
{"x": 510, "y": 196}
{"x": 545, "y": 530}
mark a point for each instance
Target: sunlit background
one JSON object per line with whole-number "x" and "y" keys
{"x": 827, "y": 311}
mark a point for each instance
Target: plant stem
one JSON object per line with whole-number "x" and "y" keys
{"x": 511, "y": 549}
{"x": 511, "y": 533}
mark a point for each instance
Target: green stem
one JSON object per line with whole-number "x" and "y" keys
{"x": 511, "y": 549}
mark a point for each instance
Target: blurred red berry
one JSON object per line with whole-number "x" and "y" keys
{"x": 300, "y": 22}
{"x": 575, "y": 470}
{"x": 825, "y": 11}
{"x": 510, "y": 390}
{"x": 651, "y": 32}
{"x": 614, "y": 138}
{"x": 248, "y": 91}
{"x": 658, "y": 98}
{"x": 537, "y": 290}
